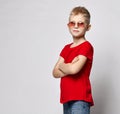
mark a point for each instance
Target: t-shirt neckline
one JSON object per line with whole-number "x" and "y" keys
{"x": 77, "y": 45}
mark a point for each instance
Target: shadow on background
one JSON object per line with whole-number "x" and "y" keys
{"x": 102, "y": 94}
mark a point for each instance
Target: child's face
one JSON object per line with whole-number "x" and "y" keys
{"x": 78, "y": 26}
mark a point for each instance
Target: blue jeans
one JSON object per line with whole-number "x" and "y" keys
{"x": 76, "y": 107}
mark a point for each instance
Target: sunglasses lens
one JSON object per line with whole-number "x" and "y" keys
{"x": 80, "y": 24}
{"x": 72, "y": 24}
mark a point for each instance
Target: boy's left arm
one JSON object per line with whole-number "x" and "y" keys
{"x": 75, "y": 66}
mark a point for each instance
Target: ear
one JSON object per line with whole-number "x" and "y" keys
{"x": 89, "y": 27}
{"x": 67, "y": 26}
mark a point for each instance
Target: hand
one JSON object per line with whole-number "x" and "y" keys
{"x": 63, "y": 65}
{"x": 75, "y": 59}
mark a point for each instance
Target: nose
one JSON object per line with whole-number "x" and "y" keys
{"x": 76, "y": 25}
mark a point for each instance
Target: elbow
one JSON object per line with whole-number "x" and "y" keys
{"x": 55, "y": 75}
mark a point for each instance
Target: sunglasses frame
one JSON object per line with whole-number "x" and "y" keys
{"x": 73, "y": 24}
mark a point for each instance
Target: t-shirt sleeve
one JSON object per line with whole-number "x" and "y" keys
{"x": 86, "y": 50}
{"x": 63, "y": 52}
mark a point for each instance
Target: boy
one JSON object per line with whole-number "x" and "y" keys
{"x": 74, "y": 66}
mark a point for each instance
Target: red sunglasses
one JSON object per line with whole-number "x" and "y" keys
{"x": 79, "y": 24}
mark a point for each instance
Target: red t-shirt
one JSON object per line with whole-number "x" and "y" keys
{"x": 77, "y": 87}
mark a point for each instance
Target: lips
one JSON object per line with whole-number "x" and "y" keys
{"x": 75, "y": 30}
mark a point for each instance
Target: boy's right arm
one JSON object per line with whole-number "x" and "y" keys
{"x": 57, "y": 73}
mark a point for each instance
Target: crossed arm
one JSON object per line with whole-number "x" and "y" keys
{"x": 62, "y": 69}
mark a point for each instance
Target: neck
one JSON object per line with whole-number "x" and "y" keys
{"x": 77, "y": 41}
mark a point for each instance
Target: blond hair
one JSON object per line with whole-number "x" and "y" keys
{"x": 81, "y": 10}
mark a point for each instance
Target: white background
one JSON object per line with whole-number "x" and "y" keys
{"x": 32, "y": 34}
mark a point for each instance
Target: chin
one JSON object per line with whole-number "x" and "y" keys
{"x": 78, "y": 36}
